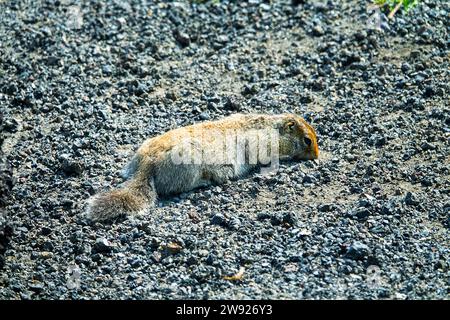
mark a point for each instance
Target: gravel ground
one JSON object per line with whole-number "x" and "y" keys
{"x": 82, "y": 84}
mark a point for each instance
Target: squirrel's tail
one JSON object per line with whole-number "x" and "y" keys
{"x": 136, "y": 195}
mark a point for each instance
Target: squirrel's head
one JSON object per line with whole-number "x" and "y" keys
{"x": 298, "y": 139}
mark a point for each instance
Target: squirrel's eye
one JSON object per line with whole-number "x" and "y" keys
{"x": 307, "y": 141}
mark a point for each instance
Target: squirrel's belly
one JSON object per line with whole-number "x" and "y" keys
{"x": 175, "y": 179}
{"x": 172, "y": 178}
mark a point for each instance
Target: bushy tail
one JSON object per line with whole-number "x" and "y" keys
{"x": 135, "y": 196}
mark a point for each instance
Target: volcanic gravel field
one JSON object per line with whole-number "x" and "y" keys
{"x": 83, "y": 83}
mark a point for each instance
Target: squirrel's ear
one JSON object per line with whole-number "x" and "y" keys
{"x": 289, "y": 125}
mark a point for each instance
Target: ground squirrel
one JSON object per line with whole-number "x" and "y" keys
{"x": 203, "y": 154}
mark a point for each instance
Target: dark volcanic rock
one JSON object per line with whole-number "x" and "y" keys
{"x": 357, "y": 251}
{"x": 71, "y": 167}
{"x": 102, "y": 245}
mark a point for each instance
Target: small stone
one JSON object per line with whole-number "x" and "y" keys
{"x": 265, "y": 7}
{"x": 411, "y": 199}
{"x": 46, "y": 255}
{"x": 309, "y": 179}
{"x": 10, "y": 125}
{"x": 36, "y": 286}
{"x": 218, "y": 219}
{"x": 203, "y": 253}
{"x": 362, "y": 213}
{"x": 11, "y": 89}
{"x": 298, "y": 2}
{"x": 361, "y": 35}
{"x": 156, "y": 256}
{"x": 364, "y": 203}
{"x": 204, "y": 116}
{"x": 234, "y": 224}
{"x": 209, "y": 259}
{"x": 304, "y": 232}
{"x": 52, "y": 60}
{"x": 102, "y": 245}
{"x": 122, "y": 21}
{"x": 327, "y": 207}
{"x": 223, "y": 39}
{"x": 182, "y": 38}
{"x": 428, "y": 92}
{"x": 263, "y": 216}
{"x": 67, "y": 203}
{"x": 387, "y": 209}
{"x": 290, "y": 218}
{"x": 171, "y": 95}
{"x": 427, "y": 146}
{"x": 250, "y": 89}
{"x": 71, "y": 167}
{"x": 192, "y": 261}
{"x": 47, "y": 246}
{"x": 406, "y": 67}
{"x": 107, "y": 70}
{"x": 380, "y": 141}
{"x": 357, "y": 251}
{"x": 232, "y": 104}
{"x": 441, "y": 265}
{"x": 427, "y": 182}
{"x": 45, "y": 231}
{"x": 400, "y": 296}
{"x": 415, "y": 54}
{"x": 318, "y": 31}
{"x": 136, "y": 263}
{"x": 172, "y": 248}
{"x": 276, "y": 219}
{"x": 383, "y": 293}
